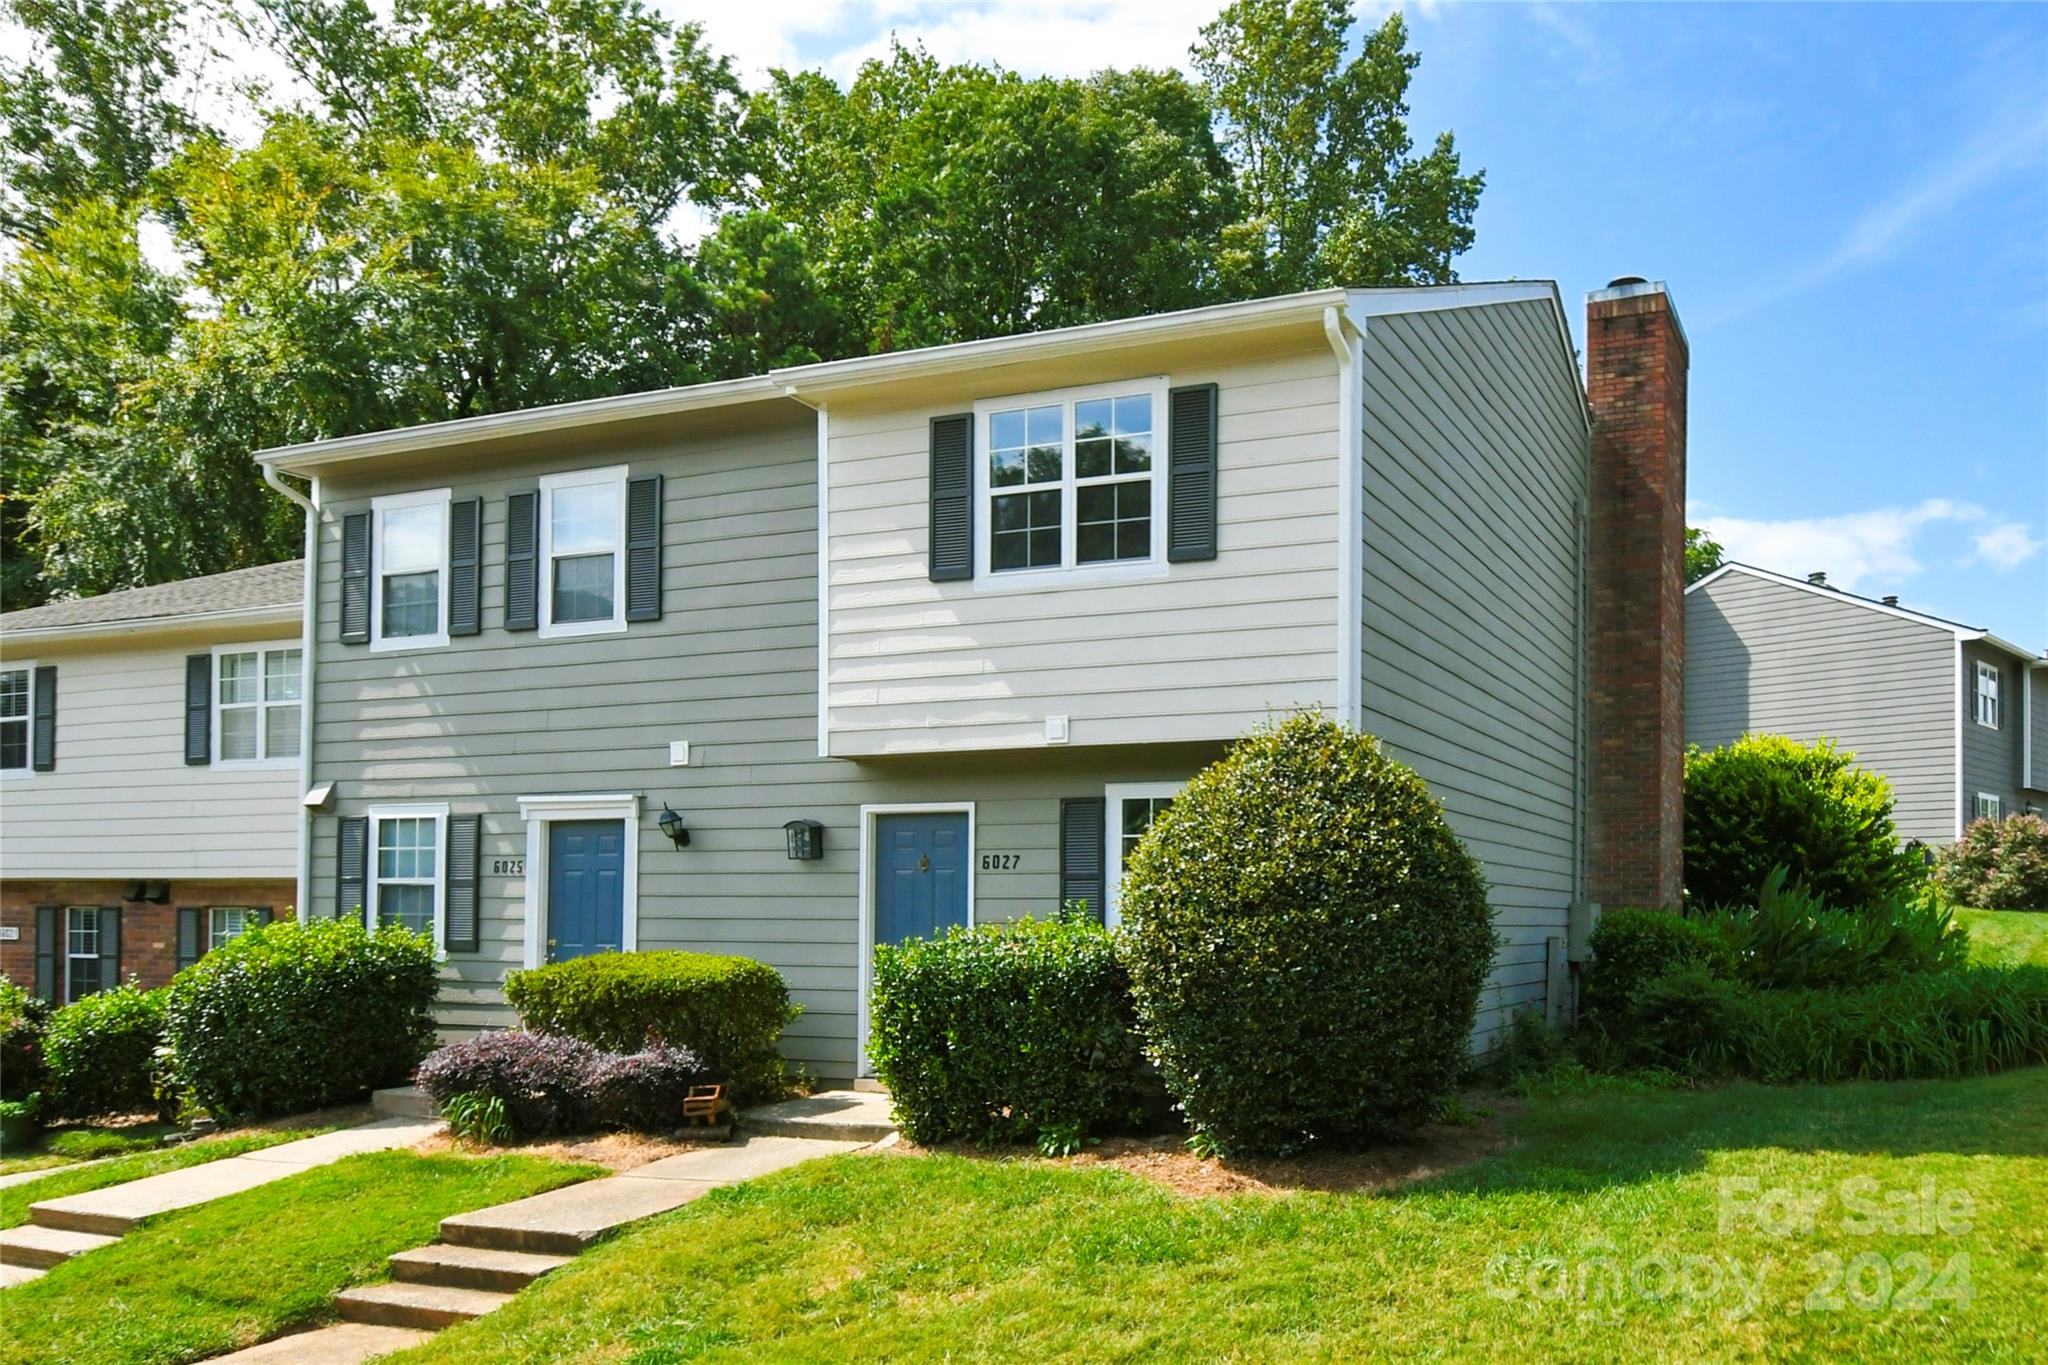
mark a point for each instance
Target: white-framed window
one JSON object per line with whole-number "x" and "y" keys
{"x": 409, "y": 562}
{"x": 225, "y": 923}
{"x": 1128, "y": 810}
{"x": 406, "y": 866}
{"x": 1987, "y": 695}
{"x": 82, "y": 952}
{"x": 583, "y": 552}
{"x": 17, "y": 709}
{"x": 257, "y": 693}
{"x": 1071, "y": 482}
{"x": 1989, "y": 807}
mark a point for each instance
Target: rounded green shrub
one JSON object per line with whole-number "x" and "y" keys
{"x": 23, "y": 1020}
{"x": 1997, "y": 865}
{"x": 1633, "y": 947}
{"x": 290, "y": 1017}
{"x": 1006, "y": 1032}
{"x": 728, "y": 1011}
{"x": 1766, "y": 801}
{"x": 100, "y": 1054}
{"x": 1307, "y": 941}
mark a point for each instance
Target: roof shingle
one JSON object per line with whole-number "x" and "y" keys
{"x": 266, "y": 585}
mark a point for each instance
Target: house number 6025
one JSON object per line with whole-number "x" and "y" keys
{"x": 508, "y": 867}
{"x": 1001, "y": 862}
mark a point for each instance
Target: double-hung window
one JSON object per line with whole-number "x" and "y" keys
{"x": 1989, "y": 807}
{"x": 409, "y": 556}
{"x": 582, "y": 550}
{"x": 1129, "y": 808}
{"x": 1987, "y": 695}
{"x": 1072, "y": 480}
{"x": 82, "y": 952}
{"x": 405, "y": 866}
{"x": 225, "y": 923}
{"x": 17, "y": 681}
{"x": 257, "y": 695}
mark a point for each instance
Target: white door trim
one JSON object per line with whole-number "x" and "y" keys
{"x": 861, "y": 1065}
{"x": 539, "y": 812}
{"x": 1113, "y": 797}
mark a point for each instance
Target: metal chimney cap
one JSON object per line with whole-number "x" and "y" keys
{"x": 1622, "y": 281}
{"x": 1818, "y": 578}
{"x": 1891, "y": 599}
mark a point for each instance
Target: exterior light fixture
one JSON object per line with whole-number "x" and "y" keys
{"x": 672, "y": 826}
{"x": 806, "y": 839}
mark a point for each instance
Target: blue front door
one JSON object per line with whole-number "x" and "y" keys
{"x": 920, "y": 874}
{"x": 586, "y": 887}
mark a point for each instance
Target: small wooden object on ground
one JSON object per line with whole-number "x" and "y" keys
{"x": 705, "y": 1105}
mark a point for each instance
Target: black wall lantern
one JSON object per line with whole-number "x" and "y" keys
{"x": 806, "y": 839}
{"x": 672, "y": 825}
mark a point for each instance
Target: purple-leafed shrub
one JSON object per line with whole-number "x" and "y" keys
{"x": 543, "y": 1079}
{"x": 643, "y": 1090}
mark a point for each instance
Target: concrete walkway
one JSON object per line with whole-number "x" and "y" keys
{"x": 23, "y": 1177}
{"x": 838, "y": 1115}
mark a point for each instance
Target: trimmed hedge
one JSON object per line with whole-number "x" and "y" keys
{"x": 290, "y": 1017}
{"x": 550, "y": 1084}
{"x": 100, "y": 1054}
{"x": 728, "y": 1011}
{"x": 1998, "y": 865}
{"x": 23, "y": 1020}
{"x": 1006, "y": 1032}
{"x": 1631, "y": 948}
{"x": 1307, "y": 940}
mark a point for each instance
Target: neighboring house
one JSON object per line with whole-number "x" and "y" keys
{"x": 149, "y": 776}
{"x": 1954, "y": 717}
{"x": 924, "y": 639}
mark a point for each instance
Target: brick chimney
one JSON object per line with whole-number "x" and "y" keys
{"x": 1636, "y": 359}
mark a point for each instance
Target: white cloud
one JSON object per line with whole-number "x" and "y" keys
{"x": 1849, "y": 548}
{"x": 2005, "y": 547}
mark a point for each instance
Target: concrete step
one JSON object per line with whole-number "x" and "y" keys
{"x": 403, "y": 1102}
{"x": 832, "y": 1115}
{"x": 12, "y": 1275}
{"x": 341, "y": 1343}
{"x": 43, "y": 1247}
{"x": 428, "y": 1307}
{"x": 504, "y": 1272}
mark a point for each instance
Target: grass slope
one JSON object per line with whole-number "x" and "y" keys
{"x": 2013, "y": 936}
{"x": 233, "y": 1272}
{"x": 926, "y": 1257}
{"x": 85, "y": 1142}
{"x": 15, "y": 1199}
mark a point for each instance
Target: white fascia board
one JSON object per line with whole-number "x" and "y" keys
{"x": 1436, "y": 298}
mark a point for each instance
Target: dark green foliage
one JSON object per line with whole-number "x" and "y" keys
{"x": 1528, "y": 1047}
{"x": 1633, "y": 947}
{"x": 1307, "y": 941}
{"x": 101, "y": 1054}
{"x": 1792, "y": 940}
{"x": 1997, "y": 865}
{"x": 23, "y": 1019}
{"x": 1687, "y": 1020}
{"x": 1702, "y": 554}
{"x": 728, "y": 1011}
{"x": 1006, "y": 1032}
{"x": 292, "y": 1017}
{"x": 1766, "y": 801}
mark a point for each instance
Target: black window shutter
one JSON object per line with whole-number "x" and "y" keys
{"x": 1191, "y": 473}
{"x": 46, "y": 952}
{"x": 643, "y": 548}
{"x": 951, "y": 554}
{"x": 194, "y": 934}
{"x": 352, "y": 866}
{"x": 458, "y": 923}
{"x": 44, "y": 725}
{"x": 465, "y": 561}
{"x": 110, "y": 947}
{"x": 198, "y": 709}
{"x": 355, "y": 578}
{"x": 522, "y": 561}
{"x": 1081, "y": 833}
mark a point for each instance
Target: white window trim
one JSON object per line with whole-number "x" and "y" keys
{"x": 581, "y": 478}
{"x": 28, "y": 769}
{"x": 263, "y": 760}
{"x": 1069, "y": 572}
{"x": 439, "y": 815}
{"x": 213, "y": 910}
{"x": 1113, "y": 797}
{"x": 432, "y": 497}
{"x": 1994, "y": 801}
{"x": 539, "y": 812}
{"x": 862, "y": 1066}
{"x": 98, "y": 951}
{"x": 1988, "y": 673}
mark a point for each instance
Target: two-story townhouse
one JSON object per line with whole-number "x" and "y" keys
{"x": 1951, "y": 715}
{"x": 149, "y": 776}
{"x": 793, "y": 665}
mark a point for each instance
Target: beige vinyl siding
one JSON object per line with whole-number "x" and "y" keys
{"x": 122, "y": 802}
{"x": 1475, "y": 469}
{"x": 1203, "y": 652}
{"x": 1991, "y": 758}
{"x": 1768, "y": 658}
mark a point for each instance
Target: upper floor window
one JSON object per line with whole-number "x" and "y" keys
{"x": 257, "y": 695}
{"x": 1987, "y": 695}
{"x": 1069, "y": 479}
{"x": 15, "y": 685}
{"x": 409, "y": 604}
{"x": 582, "y": 552}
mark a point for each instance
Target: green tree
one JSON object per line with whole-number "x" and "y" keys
{"x": 1703, "y": 554}
{"x": 1331, "y": 192}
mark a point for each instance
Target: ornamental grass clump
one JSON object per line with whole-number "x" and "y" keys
{"x": 1307, "y": 940}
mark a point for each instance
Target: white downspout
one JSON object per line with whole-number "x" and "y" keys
{"x": 311, "y": 507}
{"x": 1348, "y": 343}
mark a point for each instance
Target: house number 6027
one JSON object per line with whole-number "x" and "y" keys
{"x": 1001, "y": 862}
{"x": 508, "y": 867}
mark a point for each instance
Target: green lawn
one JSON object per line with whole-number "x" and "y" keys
{"x": 929, "y": 1257}
{"x": 236, "y": 1271}
{"x": 15, "y": 1199}
{"x": 2007, "y": 935}
{"x": 85, "y": 1142}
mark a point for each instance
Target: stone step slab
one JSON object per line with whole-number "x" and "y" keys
{"x": 342, "y": 1343}
{"x": 403, "y": 1101}
{"x": 427, "y": 1307}
{"x": 12, "y": 1275}
{"x": 504, "y": 1272}
{"x": 833, "y": 1115}
{"x": 41, "y": 1247}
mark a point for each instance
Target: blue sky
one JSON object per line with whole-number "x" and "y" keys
{"x": 1850, "y": 204}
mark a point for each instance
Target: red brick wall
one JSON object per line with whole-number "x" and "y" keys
{"x": 149, "y": 933}
{"x": 1636, "y": 360}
